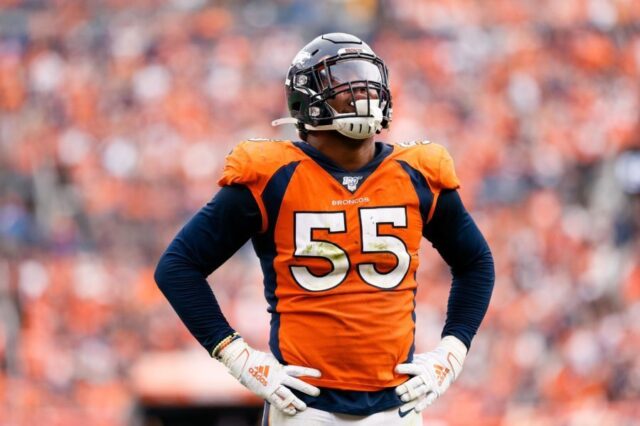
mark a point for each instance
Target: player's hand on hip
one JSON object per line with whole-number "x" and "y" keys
{"x": 433, "y": 374}
{"x": 261, "y": 373}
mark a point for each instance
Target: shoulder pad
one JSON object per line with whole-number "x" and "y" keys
{"x": 252, "y": 162}
{"x": 433, "y": 161}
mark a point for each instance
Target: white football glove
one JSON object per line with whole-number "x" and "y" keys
{"x": 434, "y": 372}
{"x": 263, "y": 375}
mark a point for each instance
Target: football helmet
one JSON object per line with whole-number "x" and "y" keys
{"x": 330, "y": 65}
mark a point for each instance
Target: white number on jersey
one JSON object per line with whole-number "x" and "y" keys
{"x": 370, "y": 218}
{"x": 305, "y": 223}
{"x": 372, "y": 242}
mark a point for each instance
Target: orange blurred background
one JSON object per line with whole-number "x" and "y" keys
{"x": 115, "y": 118}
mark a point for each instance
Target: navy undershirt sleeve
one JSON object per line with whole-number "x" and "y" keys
{"x": 211, "y": 237}
{"x": 455, "y": 235}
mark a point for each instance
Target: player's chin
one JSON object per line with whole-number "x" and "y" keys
{"x": 348, "y": 140}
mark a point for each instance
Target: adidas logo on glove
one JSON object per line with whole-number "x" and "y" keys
{"x": 441, "y": 373}
{"x": 260, "y": 373}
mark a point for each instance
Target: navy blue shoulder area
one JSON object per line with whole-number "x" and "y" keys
{"x": 273, "y": 193}
{"x": 420, "y": 185}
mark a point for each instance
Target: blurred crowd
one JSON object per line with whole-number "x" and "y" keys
{"x": 115, "y": 118}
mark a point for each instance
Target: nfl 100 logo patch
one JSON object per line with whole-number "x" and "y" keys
{"x": 351, "y": 182}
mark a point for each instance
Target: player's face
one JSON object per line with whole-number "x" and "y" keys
{"x": 356, "y": 72}
{"x": 343, "y": 102}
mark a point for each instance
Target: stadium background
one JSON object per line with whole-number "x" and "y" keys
{"x": 115, "y": 117}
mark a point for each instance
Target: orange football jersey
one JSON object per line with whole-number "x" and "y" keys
{"x": 339, "y": 251}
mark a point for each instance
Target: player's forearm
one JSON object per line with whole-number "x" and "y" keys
{"x": 189, "y": 294}
{"x": 469, "y": 297}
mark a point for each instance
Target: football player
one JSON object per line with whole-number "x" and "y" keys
{"x": 336, "y": 219}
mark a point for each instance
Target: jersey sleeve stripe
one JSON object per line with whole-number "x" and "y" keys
{"x": 426, "y": 196}
{"x": 273, "y": 193}
{"x": 265, "y": 247}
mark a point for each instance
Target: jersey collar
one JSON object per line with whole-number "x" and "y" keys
{"x": 351, "y": 180}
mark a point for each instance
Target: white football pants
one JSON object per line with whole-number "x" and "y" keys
{"x": 313, "y": 417}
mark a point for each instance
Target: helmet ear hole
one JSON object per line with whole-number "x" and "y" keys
{"x": 295, "y": 107}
